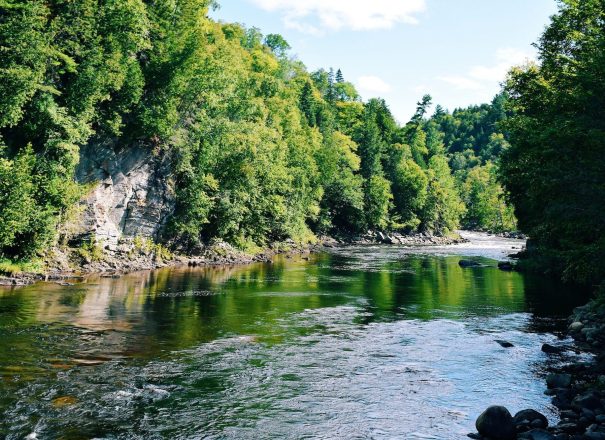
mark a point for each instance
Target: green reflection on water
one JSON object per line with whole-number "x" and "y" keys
{"x": 145, "y": 314}
{"x": 48, "y": 328}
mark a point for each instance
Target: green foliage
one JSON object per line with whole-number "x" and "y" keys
{"x": 63, "y": 63}
{"x": 24, "y": 47}
{"x": 17, "y": 204}
{"x": 91, "y": 251}
{"x": 261, "y": 150}
{"x": 554, "y": 170}
{"x": 12, "y": 268}
{"x": 484, "y": 200}
{"x": 443, "y": 208}
{"x": 147, "y": 246}
{"x": 410, "y": 190}
{"x": 277, "y": 44}
{"x": 342, "y": 204}
{"x": 475, "y": 131}
{"x": 378, "y": 202}
{"x": 474, "y": 139}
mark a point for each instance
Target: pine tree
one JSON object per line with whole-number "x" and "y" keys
{"x": 307, "y": 104}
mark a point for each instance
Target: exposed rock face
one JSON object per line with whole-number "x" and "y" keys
{"x": 131, "y": 194}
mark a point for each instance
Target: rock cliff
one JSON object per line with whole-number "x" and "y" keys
{"x": 130, "y": 192}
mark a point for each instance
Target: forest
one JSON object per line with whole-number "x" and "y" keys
{"x": 262, "y": 150}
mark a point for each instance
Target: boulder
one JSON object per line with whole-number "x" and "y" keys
{"x": 537, "y": 434}
{"x": 569, "y": 414}
{"x": 576, "y": 326}
{"x": 588, "y": 414}
{"x": 587, "y": 400}
{"x": 389, "y": 239}
{"x": 533, "y": 418}
{"x": 130, "y": 192}
{"x": 558, "y": 380}
{"x": 496, "y": 423}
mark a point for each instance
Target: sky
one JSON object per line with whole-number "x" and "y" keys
{"x": 458, "y": 51}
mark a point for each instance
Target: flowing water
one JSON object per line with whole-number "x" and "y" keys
{"x": 358, "y": 343}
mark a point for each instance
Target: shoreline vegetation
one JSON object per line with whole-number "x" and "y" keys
{"x": 137, "y": 255}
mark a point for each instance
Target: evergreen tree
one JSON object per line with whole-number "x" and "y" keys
{"x": 307, "y": 103}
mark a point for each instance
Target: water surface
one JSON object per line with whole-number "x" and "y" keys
{"x": 362, "y": 342}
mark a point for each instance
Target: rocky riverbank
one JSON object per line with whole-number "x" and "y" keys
{"x": 131, "y": 255}
{"x": 577, "y": 389}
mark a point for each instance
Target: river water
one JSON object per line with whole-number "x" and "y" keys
{"x": 361, "y": 342}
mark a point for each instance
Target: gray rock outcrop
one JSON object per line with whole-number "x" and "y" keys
{"x": 130, "y": 192}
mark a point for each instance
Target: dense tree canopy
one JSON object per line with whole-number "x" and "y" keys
{"x": 261, "y": 150}
{"x": 555, "y": 167}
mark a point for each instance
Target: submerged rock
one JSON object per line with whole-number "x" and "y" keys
{"x": 506, "y": 266}
{"x": 504, "y": 344}
{"x": 468, "y": 263}
{"x": 547, "y": 348}
{"x": 496, "y": 422}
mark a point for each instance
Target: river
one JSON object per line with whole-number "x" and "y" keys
{"x": 359, "y": 342}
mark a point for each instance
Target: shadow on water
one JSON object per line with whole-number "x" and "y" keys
{"x": 362, "y": 342}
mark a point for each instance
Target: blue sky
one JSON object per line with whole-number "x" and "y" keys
{"x": 456, "y": 50}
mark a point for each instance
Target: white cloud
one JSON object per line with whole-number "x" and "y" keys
{"x": 316, "y": 16}
{"x": 483, "y": 77}
{"x": 372, "y": 85}
{"x": 506, "y": 58}
{"x": 461, "y": 82}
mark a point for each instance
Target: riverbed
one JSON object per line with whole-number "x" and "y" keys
{"x": 357, "y": 342}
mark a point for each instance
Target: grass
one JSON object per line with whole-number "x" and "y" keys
{"x": 12, "y": 268}
{"x": 147, "y": 246}
{"x": 91, "y": 251}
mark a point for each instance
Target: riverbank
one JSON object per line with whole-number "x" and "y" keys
{"x": 132, "y": 255}
{"x": 577, "y": 388}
